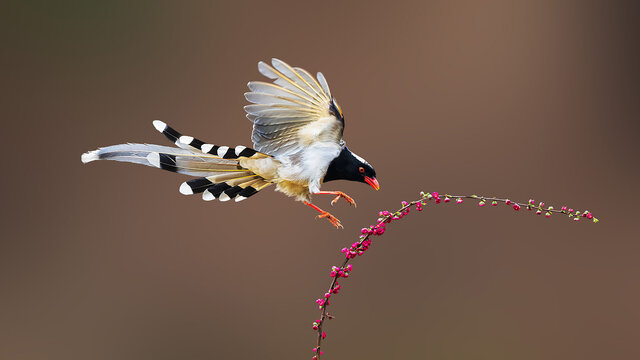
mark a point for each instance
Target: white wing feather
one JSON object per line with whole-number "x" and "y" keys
{"x": 292, "y": 113}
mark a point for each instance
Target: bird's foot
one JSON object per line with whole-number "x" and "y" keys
{"x": 334, "y": 220}
{"x": 346, "y": 198}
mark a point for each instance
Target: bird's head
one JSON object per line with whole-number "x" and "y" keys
{"x": 349, "y": 166}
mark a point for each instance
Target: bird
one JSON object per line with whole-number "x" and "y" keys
{"x": 297, "y": 146}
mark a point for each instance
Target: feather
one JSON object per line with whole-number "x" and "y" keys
{"x": 267, "y": 88}
{"x": 168, "y": 158}
{"x": 324, "y": 84}
{"x": 278, "y": 110}
{"x": 269, "y": 99}
{"x": 184, "y": 142}
{"x": 314, "y": 84}
{"x": 293, "y": 112}
{"x": 294, "y": 77}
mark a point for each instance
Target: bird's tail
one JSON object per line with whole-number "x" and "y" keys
{"x": 218, "y": 167}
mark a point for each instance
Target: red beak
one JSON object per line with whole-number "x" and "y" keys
{"x": 373, "y": 182}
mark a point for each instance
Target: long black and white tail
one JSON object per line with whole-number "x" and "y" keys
{"x": 218, "y": 168}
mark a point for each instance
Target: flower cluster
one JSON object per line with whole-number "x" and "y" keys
{"x": 359, "y": 247}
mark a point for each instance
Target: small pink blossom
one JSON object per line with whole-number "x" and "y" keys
{"x": 508, "y": 202}
{"x": 459, "y": 201}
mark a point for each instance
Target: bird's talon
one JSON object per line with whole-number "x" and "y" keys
{"x": 346, "y": 198}
{"x": 334, "y": 220}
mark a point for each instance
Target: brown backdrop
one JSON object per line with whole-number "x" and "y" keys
{"x": 518, "y": 99}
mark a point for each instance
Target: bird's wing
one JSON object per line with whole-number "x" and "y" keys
{"x": 293, "y": 112}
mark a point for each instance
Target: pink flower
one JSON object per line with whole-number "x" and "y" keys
{"x": 481, "y": 203}
{"x": 516, "y": 207}
{"x": 564, "y": 208}
{"x": 446, "y": 199}
{"x": 508, "y": 202}
{"x": 435, "y": 194}
{"x": 459, "y": 201}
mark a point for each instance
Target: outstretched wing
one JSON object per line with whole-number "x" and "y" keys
{"x": 293, "y": 112}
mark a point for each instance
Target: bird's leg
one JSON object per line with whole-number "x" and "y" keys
{"x": 340, "y": 194}
{"x": 324, "y": 214}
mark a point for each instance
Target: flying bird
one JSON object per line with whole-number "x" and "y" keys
{"x": 297, "y": 146}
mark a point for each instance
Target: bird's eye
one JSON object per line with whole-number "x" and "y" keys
{"x": 361, "y": 169}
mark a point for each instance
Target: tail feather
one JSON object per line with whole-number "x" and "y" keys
{"x": 199, "y": 185}
{"x": 218, "y": 168}
{"x": 185, "y": 142}
{"x": 226, "y": 191}
{"x": 191, "y": 143}
{"x": 164, "y": 157}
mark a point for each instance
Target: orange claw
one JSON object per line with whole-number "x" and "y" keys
{"x": 334, "y": 220}
{"x": 340, "y": 194}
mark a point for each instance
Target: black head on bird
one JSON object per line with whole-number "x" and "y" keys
{"x": 349, "y": 166}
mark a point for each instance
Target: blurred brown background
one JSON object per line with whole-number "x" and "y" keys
{"x": 517, "y": 99}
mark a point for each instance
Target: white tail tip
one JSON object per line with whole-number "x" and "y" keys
{"x": 185, "y": 189}
{"x": 186, "y": 139}
{"x": 206, "y": 148}
{"x": 240, "y": 198}
{"x": 159, "y": 125}
{"x": 154, "y": 159}
{"x": 89, "y": 156}
{"x": 224, "y": 197}
{"x": 208, "y": 196}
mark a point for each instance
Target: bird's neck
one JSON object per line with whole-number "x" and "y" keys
{"x": 335, "y": 171}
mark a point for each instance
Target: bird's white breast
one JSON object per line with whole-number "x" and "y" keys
{"x": 310, "y": 164}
